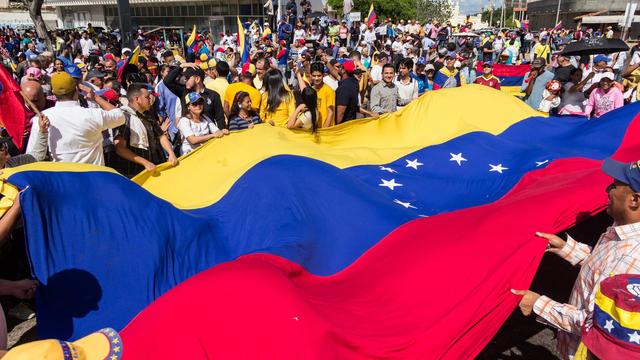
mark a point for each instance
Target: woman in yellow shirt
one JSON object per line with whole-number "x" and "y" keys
{"x": 277, "y": 102}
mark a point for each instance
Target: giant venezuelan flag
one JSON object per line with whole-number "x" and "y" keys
{"x": 397, "y": 237}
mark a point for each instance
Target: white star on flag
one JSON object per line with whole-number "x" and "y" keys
{"x": 457, "y": 158}
{"x": 384, "y": 168}
{"x": 413, "y": 163}
{"x": 499, "y": 168}
{"x": 407, "y": 205}
{"x": 609, "y": 325}
{"x": 391, "y": 184}
{"x": 540, "y": 163}
{"x": 634, "y": 337}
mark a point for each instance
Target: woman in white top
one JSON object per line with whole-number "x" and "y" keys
{"x": 306, "y": 115}
{"x": 195, "y": 127}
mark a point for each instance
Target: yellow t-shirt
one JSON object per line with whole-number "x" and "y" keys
{"x": 280, "y": 116}
{"x": 326, "y": 98}
{"x": 543, "y": 51}
{"x": 218, "y": 85}
{"x": 236, "y": 87}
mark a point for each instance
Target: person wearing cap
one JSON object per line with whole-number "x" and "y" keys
{"x": 616, "y": 252}
{"x": 192, "y": 80}
{"x": 605, "y": 98}
{"x": 347, "y": 93}
{"x": 535, "y": 81}
{"x": 140, "y": 142}
{"x": 430, "y": 72}
{"x": 96, "y": 79}
{"x": 195, "y": 127}
{"x": 448, "y": 76}
{"x": 385, "y": 95}
{"x": 77, "y": 131}
{"x": 550, "y": 96}
{"x": 487, "y": 78}
{"x": 407, "y": 86}
{"x": 245, "y": 84}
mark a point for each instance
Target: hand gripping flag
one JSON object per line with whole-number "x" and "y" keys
{"x": 337, "y": 244}
{"x": 192, "y": 41}
{"x": 511, "y": 76}
{"x": 13, "y": 114}
{"x": 371, "y": 18}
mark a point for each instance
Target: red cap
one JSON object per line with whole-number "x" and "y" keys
{"x": 111, "y": 96}
{"x": 349, "y": 66}
{"x": 301, "y": 41}
{"x": 282, "y": 43}
{"x": 109, "y": 57}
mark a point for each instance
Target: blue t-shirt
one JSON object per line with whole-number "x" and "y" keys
{"x": 421, "y": 80}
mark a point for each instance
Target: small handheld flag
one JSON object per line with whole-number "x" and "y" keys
{"x": 371, "y": 18}
{"x": 192, "y": 44}
{"x": 242, "y": 43}
{"x": 557, "y": 27}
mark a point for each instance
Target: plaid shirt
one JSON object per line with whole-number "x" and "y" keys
{"x": 617, "y": 252}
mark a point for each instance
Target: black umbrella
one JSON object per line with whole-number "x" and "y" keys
{"x": 316, "y": 14}
{"x": 594, "y": 46}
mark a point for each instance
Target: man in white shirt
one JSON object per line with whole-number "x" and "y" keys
{"x": 407, "y": 86}
{"x": 75, "y": 133}
{"x": 86, "y": 44}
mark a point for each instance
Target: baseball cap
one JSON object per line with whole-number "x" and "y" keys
{"x": 628, "y": 173}
{"x": 34, "y": 72}
{"x": 429, "y": 67}
{"x": 421, "y": 61}
{"x": 111, "y": 96}
{"x": 192, "y": 98}
{"x": 554, "y": 85}
{"x": 600, "y": 58}
{"x": 62, "y": 83}
{"x": 349, "y": 66}
{"x": 607, "y": 75}
{"x": 487, "y": 64}
{"x": 74, "y": 71}
{"x": 248, "y": 69}
{"x": 194, "y": 72}
{"x": 102, "y": 344}
{"x": 124, "y": 50}
{"x": 616, "y": 313}
{"x": 95, "y": 74}
{"x": 204, "y": 57}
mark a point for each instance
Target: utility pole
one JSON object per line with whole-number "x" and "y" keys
{"x": 124, "y": 15}
{"x": 491, "y": 14}
{"x": 502, "y": 13}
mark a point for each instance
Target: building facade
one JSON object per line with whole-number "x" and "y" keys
{"x": 542, "y": 13}
{"x": 217, "y": 15}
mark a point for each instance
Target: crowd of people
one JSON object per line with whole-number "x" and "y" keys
{"x": 89, "y": 100}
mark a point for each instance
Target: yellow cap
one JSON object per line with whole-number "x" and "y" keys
{"x": 62, "y": 83}
{"x": 203, "y": 57}
{"x": 102, "y": 344}
{"x": 212, "y": 63}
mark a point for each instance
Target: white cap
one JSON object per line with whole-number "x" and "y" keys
{"x": 429, "y": 67}
{"x": 124, "y": 50}
{"x": 607, "y": 75}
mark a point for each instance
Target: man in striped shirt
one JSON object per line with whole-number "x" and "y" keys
{"x": 616, "y": 252}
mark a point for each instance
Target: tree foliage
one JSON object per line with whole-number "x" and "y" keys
{"x": 440, "y": 10}
{"x": 495, "y": 20}
{"x": 394, "y": 9}
{"x": 35, "y": 12}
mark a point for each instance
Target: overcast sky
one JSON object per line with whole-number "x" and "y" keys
{"x": 469, "y": 7}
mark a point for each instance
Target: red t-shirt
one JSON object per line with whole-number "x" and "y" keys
{"x": 493, "y": 82}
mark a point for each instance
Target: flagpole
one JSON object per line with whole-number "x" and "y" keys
{"x": 558, "y": 11}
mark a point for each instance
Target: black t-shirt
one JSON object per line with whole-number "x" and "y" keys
{"x": 347, "y": 95}
{"x": 212, "y": 101}
{"x": 563, "y": 73}
{"x": 487, "y": 56}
